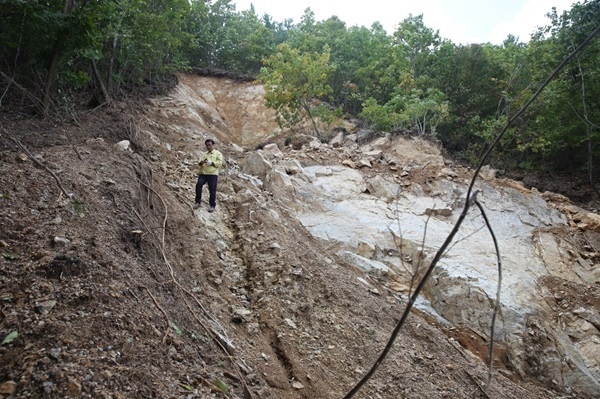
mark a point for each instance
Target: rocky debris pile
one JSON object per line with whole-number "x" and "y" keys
{"x": 386, "y": 206}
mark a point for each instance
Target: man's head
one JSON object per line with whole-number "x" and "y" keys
{"x": 209, "y": 143}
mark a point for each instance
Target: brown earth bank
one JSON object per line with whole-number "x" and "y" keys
{"x": 573, "y": 186}
{"x": 111, "y": 286}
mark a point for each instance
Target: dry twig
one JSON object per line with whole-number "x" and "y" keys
{"x": 36, "y": 101}
{"x": 482, "y": 389}
{"x": 71, "y": 196}
{"x": 163, "y": 312}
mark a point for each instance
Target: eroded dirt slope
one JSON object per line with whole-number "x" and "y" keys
{"x": 123, "y": 291}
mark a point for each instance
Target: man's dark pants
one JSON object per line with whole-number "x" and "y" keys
{"x": 212, "y": 189}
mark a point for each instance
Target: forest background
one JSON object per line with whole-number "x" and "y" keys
{"x": 57, "y": 53}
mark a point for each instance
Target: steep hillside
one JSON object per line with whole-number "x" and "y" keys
{"x": 113, "y": 287}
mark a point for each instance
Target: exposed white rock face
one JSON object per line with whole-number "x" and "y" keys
{"x": 369, "y": 218}
{"x": 368, "y": 265}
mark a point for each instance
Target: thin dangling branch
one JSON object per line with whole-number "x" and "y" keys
{"x": 498, "y": 291}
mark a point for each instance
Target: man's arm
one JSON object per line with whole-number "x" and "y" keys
{"x": 202, "y": 158}
{"x": 218, "y": 160}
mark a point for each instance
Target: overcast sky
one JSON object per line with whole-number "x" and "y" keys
{"x": 462, "y": 21}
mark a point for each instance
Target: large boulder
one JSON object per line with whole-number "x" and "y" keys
{"x": 409, "y": 150}
{"x": 384, "y": 188}
{"x": 272, "y": 152}
{"x": 256, "y": 164}
{"x": 337, "y": 140}
{"x": 280, "y": 185}
{"x": 291, "y": 166}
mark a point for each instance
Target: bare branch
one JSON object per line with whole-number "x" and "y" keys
{"x": 71, "y": 196}
{"x": 461, "y": 239}
{"x": 420, "y": 260}
{"x": 36, "y": 101}
{"x": 163, "y": 312}
{"x": 497, "y": 305}
{"x": 588, "y": 130}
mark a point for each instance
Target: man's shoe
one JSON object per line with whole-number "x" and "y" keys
{"x": 197, "y": 205}
{"x": 211, "y": 209}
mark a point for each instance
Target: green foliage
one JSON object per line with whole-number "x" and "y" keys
{"x": 223, "y": 387}
{"x": 327, "y": 115}
{"x": 411, "y": 79}
{"x": 8, "y": 256}
{"x": 175, "y": 328}
{"x": 294, "y": 82}
{"x": 414, "y": 43}
{"x": 131, "y": 41}
{"x": 377, "y": 115}
{"x": 565, "y": 128}
{"x": 237, "y": 41}
{"x": 79, "y": 208}
{"x": 10, "y": 338}
{"x": 187, "y": 387}
{"x": 425, "y": 110}
{"x": 417, "y": 111}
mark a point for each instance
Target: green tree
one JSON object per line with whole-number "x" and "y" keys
{"x": 420, "y": 112}
{"x": 373, "y": 63}
{"x": 413, "y": 44}
{"x": 425, "y": 110}
{"x": 361, "y": 57}
{"x": 281, "y": 30}
{"x": 198, "y": 43}
{"x": 472, "y": 84}
{"x": 89, "y": 44}
{"x": 243, "y": 42}
{"x": 569, "y": 120}
{"x": 294, "y": 82}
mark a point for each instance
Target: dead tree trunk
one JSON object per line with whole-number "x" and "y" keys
{"x": 68, "y": 6}
{"x": 105, "y": 94}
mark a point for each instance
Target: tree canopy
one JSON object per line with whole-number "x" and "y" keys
{"x": 293, "y": 82}
{"x": 410, "y": 80}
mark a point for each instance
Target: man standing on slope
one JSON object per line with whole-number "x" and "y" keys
{"x": 210, "y": 162}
